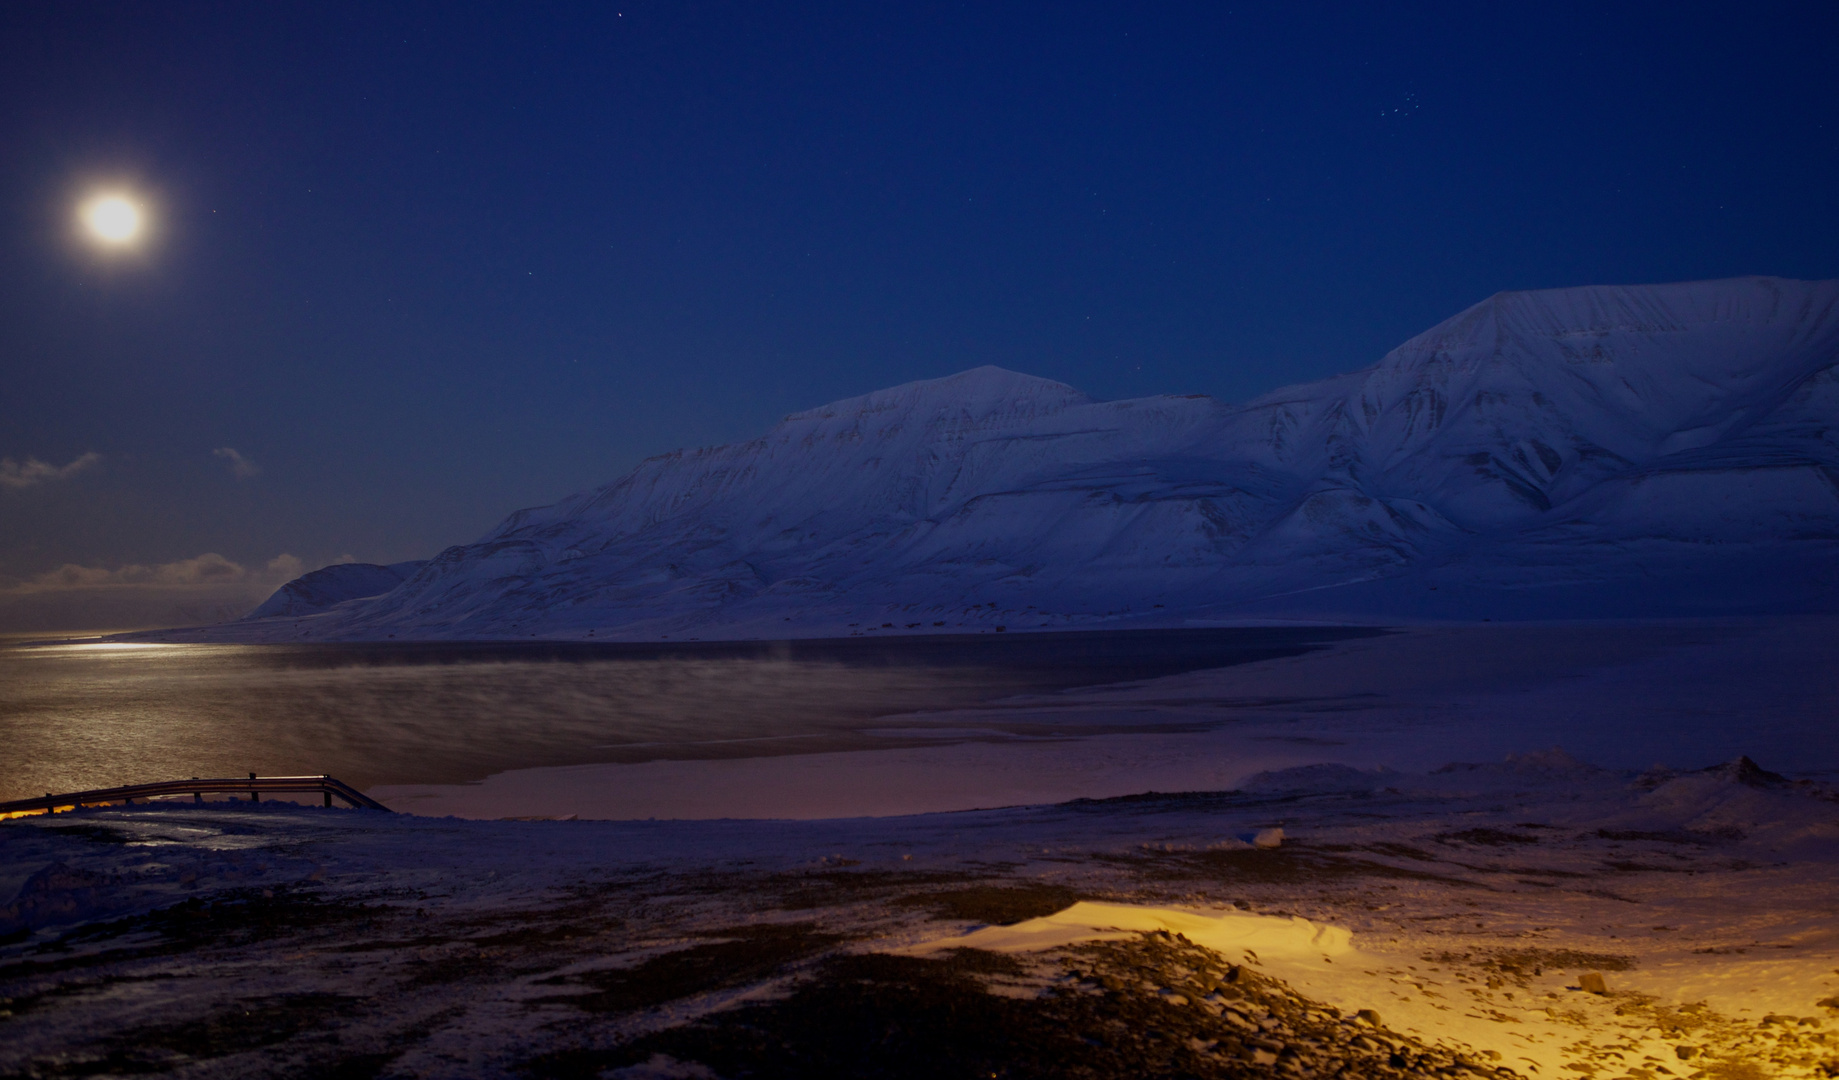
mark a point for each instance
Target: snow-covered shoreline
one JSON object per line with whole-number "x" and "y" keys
{"x": 1476, "y": 877}
{"x": 1627, "y": 695}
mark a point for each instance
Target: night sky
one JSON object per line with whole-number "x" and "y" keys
{"x": 411, "y": 267}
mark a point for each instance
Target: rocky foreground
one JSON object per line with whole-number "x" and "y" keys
{"x": 1534, "y": 918}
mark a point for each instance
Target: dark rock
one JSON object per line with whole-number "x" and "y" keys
{"x": 58, "y": 893}
{"x": 1741, "y": 770}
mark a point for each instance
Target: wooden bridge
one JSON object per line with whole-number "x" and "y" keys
{"x": 197, "y": 788}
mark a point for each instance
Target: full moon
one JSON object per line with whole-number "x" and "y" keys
{"x": 112, "y": 219}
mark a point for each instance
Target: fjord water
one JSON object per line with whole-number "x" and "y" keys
{"x": 90, "y": 715}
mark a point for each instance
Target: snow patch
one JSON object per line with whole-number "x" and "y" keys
{"x": 1233, "y": 933}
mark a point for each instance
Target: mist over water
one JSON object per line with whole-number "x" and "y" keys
{"x": 82, "y": 716}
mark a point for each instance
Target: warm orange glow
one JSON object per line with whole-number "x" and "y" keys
{"x": 34, "y": 813}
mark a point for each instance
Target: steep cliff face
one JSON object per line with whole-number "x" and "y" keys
{"x": 1583, "y": 435}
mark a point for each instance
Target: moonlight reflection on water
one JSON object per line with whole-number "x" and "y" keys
{"x": 91, "y": 715}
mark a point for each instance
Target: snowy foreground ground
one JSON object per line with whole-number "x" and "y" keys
{"x": 1536, "y": 914}
{"x": 1466, "y": 909}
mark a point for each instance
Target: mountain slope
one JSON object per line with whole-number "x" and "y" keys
{"x": 322, "y": 589}
{"x": 1598, "y": 437}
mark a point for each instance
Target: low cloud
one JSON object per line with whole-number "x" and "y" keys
{"x": 207, "y": 588}
{"x": 205, "y": 570}
{"x": 240, "y": 466}
{"x": 14, "y": 475}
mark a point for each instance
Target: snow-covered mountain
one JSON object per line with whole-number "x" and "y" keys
{"x": 1586, "y": 451}
{"x": 329, "y": 586}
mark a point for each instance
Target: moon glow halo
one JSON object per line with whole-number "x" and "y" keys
{"x": 112, "y": 219}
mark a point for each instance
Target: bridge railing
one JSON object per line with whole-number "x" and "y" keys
{"x": 197, "y": 788}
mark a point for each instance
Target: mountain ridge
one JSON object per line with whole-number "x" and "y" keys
{"x": 1535, "y": 441}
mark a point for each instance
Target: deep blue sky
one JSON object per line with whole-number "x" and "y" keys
{"x": 425, "y": 264}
